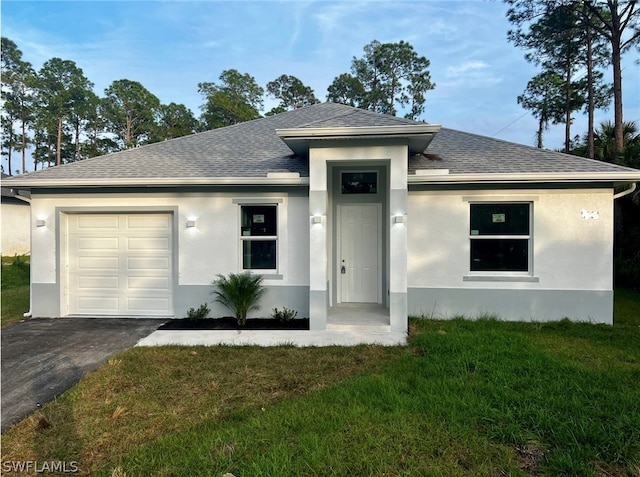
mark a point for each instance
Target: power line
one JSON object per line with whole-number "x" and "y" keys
{"x": 510, "y": 124}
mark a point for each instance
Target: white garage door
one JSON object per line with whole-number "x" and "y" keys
{"x": 119, "y": 264}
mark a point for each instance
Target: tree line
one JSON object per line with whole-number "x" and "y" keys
{"x": 55, "y": 113}
{"x": 572, "y": 41}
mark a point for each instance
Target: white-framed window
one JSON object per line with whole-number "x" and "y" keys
{"x": 259, "y": 236}
{"x": 500, "y": 237}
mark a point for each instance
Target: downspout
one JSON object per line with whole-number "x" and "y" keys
{"x": 626, "y": 192}
{"x": 28, "y": 201}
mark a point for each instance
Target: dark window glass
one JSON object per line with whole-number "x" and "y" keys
{"x": 499, "y": 219}
{"x": 259, "y": 221}
{"x": 500, "y": 255}
{"x": 359, "y": 183}
{"x": 259, "y": 254}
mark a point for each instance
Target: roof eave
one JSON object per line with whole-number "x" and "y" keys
{"x": 276, "y": 180}
{"x": 519, "y": 178}
{"x": 418, "y": 136}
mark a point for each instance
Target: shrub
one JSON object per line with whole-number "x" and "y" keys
{"x": 200, "y": 313}
{"x": 240, "y": 293}
{"x": 284, "y": 315}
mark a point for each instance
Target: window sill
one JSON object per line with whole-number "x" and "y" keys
{"x": 267, "y": 276}
{"x": 500, "y": 278}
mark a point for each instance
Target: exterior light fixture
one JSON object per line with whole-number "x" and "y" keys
{"x": 40, "y": 223}
{"x": 398, "y": 219}
{"x": 191, "y": 223}
{"x": 317, "y": 219}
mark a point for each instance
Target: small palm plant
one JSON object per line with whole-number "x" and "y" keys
{"x": 240, "y": 292}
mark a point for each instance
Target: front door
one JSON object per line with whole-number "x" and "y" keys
{"x": 359, "y": 253}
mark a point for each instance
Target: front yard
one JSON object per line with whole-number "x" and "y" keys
{"x": 463, "y": 398}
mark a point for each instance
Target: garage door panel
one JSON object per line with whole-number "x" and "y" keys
{"x": 98, "y": 263}
{"x": 120, "y": 264}
{"x": 92, "y": 222}
{"x": 98, "y": 283}
{"x": 97, "y": 304}
{"x": 158, "y": 222}
{"x": 98, "y": 243}
{"x": 137, "y": 305}
{"x": 148, "y": 283}
{"x": 149, "y": 263}
{"x": 149, "y": 243}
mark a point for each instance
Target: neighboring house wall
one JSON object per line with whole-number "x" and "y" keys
{"x": 15, "y": 227}
{"x": 201, "y": 252}
{"x": 572, "y": 269}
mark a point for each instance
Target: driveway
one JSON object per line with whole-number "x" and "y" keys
{"x": 43, "y": 357}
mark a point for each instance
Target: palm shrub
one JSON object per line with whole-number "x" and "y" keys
{"x": 240, "y": 292}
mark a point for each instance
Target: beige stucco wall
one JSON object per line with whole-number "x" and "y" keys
{"x": 15, "y": 229}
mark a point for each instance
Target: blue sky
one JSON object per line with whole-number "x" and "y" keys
{"x": 171, "y": 46}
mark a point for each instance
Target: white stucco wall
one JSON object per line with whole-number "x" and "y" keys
{"x": 203, "y": 251}
{"x": 15, "y": 229}
{"x": 570, "y": 252}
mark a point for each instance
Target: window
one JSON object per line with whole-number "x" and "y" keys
{"x": 259, "y": 237}
{"x": 500, "y": 235}
{"x": 359, "y": 182}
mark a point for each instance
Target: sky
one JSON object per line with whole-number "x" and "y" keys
{"x": 171, "y": 46}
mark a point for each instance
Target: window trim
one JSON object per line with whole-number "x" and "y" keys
{"x": 502, "y": 275}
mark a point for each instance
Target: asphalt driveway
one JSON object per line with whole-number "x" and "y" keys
{"x": 43, "y": 357}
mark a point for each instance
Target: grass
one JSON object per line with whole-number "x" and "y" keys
{"x": 15, "y": 289}
{"x": 463, "y": 398}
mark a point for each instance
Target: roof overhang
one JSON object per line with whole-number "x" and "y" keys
{"x": 438, "y": 177}
{"x": 417, "y": 136}
{"x": 275, "y": 179}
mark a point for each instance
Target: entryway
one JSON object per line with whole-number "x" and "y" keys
{"x": 359, "y": 253}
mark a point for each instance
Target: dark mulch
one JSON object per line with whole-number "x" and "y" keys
{"x": 230, "y": 323}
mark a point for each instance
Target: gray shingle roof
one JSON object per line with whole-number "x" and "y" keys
{"x": 253, "y": 149}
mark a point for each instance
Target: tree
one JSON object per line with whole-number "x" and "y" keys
{"x": 388, "y": 75}
{"x": 62, "y": 91}
{"x": 174, "y": 120}
{"x": 130, "y": 111}
{"x": 347, "y": 89}
{"x": 614, "y": 19}
{"x": 559, "y": 41}
{"x": 236, "y": 99}
{"x": 292, "y": 93}
{"x": 18, "y": 80}
{"x": 544, "y": 98}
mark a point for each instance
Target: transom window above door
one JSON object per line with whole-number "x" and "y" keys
{"x": 359, "y": 182}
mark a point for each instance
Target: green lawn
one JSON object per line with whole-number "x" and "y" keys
{"x": 15, "y": 289}
{"x": 464, "y": 398}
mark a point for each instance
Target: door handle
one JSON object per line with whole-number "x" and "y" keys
{"x": 343, "y": 269}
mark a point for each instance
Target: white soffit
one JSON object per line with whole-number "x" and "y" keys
{"x": 418, "y": 136}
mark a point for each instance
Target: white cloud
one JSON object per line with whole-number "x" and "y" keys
{"x": 469, "y": 66}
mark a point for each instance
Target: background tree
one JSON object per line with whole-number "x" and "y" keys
{"x": 235, "y": 99}
{"x": 62, "y": 91}
{"x": 545, "y": 99}
{"x": 559, "y": 41}
{"x": 388, "y": 75}
{"x": 347, "y": 89}
{"x": 291, "y": 92}
{"x": 174, "y": 120}
{"x": 130, "y": 111}
{"x": 614, "y": 19}
{"x": 18, "y": 80}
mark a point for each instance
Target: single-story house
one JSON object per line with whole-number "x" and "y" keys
{"x": 16, "y": 224}
{"x": 334, "y": 206}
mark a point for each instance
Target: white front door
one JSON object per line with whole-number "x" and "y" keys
{"x": 359, "y": 253}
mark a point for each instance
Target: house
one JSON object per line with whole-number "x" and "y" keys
{"x": 16, "y": 225}
{"x": 334, "y": 206}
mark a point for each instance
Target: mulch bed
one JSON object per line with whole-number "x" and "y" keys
{"x": 230, "y": 323}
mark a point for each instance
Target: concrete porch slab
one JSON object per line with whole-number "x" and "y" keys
{"x": 300, "y": 338}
